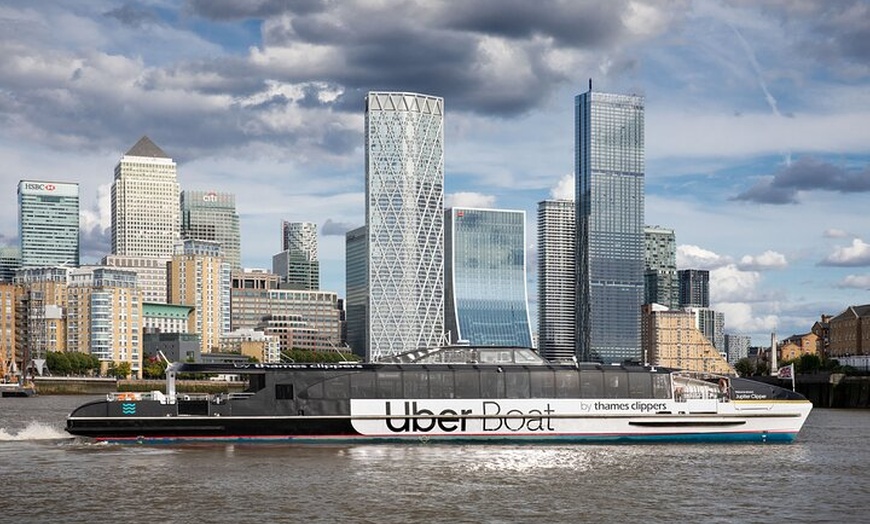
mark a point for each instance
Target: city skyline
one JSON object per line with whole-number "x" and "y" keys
{"x": 756, "y": 150}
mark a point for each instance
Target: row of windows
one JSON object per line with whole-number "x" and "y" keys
{"x": 472, "y": 384}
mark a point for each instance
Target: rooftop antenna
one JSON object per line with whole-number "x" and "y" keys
{"x": 590, "y": 84}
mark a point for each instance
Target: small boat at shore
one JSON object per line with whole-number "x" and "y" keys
{"x": 450, "y": 394}
{"x": 14, "y": 389}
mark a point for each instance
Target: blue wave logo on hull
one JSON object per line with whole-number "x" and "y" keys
{"x": 128, "y": 408}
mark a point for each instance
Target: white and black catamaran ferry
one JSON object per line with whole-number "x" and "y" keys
{"x": 455, "y": 393}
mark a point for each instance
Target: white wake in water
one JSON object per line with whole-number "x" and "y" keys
{"x": 33, "y": 431}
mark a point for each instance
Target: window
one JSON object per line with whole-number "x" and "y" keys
{"x": 284, "y": 391}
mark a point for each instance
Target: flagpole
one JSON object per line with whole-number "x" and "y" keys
{"x": 792, "y": 376}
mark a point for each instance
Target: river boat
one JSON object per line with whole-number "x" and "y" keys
{"x": 450, "y": 394}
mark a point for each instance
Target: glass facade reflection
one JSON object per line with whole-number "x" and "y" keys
{"x": 48, "y": 223}
{"x": 486, "y": 297}
{"x": 404, "y": 222}
{"x": 609, "y": 162}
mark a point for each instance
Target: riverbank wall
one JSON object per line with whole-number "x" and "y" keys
{"x": 104, "y": 385}
{"x": 829, "y": 390}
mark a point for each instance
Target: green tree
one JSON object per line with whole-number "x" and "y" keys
{"x": 154, "y": 368}
{"x": 745, "y": 367}
{"x": 808, "y": 363}
{"x": 58, "y": 363}
{"x": 301, "y": 355}
{"x": 120, "y": 370}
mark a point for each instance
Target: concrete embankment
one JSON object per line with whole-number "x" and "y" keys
{"x": 101, "y": 386}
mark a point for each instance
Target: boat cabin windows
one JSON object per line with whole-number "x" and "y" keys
{"x": 284, "y": 391}
{"x": 336, "y": 388}
{"x": 616, "y": 384}
{"x": 516, "y": 384}
{"x": 661, "y": 384}
{"x": 416, "y": 384}
{"x": 362, "y": 385}
{"x": 639, "y": 385}
{"x": 467, "y": 384}
{"x": 492, "y": 385}
{"x": 592, "y": 384}
{"x": 542, "y": 384}
{"x": 441, "y": 384}
{"x": 567, "y": 383}
{"x": 390, "y": 384}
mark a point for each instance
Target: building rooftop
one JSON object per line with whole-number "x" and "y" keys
{"x": 146, "y": 148}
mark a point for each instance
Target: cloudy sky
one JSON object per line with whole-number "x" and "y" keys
{"x": 757, "y": 119}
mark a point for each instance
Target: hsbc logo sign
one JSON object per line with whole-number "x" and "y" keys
{"x": 36, "y": 186}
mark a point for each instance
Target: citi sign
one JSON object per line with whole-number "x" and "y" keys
{"x": 210, "y": 197}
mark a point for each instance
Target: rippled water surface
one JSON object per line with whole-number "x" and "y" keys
{"x": 47, "y": 477}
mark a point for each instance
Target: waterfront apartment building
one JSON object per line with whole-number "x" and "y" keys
{"x": 40, "y": 320}
{"x": 297, "y": 263}
{"x": 660, "y": 267}
{"x": 48, "y": 223}
{"x": 670, "y": 339}
{"x": 356, "y": 287}
{"x": 796, "y": 346}
{"x": 694, "y": 287}
{"x": 609, "y": 195}
{"x": 199, "y": 277}
{"x": 557, "y": 289}
{"x": 145, "y": 203}
{"x": 404, "y": 165}
{"x": 105, "y": 316}
{"x": 150, "y": 274}
{"x": 850, "y": 332}
{"x": 9, "y": 359}
{"x": 486, "y": 299}
{"x": 212, "y": 216}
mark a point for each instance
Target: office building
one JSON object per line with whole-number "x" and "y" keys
{"x": 145, "y": 203}
{"x": 404, "y": 159}
{"x": 297, "y": 263}
{"x": 660, "y": 267}
{"x": 48, "y": 223}
{"x": 249, "y": 303}
{"x": 737, "y": 347}
{"x": 212, "y": 216}
{"x": 694, "y": 287}
{"x": 166, "y": 318}
{"x": 9, "y": 360}
{"x": 486, "y": 301}
{"x": 557, "y": 290}
{"x": 105, "y": 317}
{"x": 356, "y": 287}
{"x": 198, "y": 277}
{"x": 10, "y": 261}
{"x": 609, "y": 167}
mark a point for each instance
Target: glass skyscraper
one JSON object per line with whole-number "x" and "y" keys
{"x": 297, "y": 264}
{"x": 208, "y": 215}
{"x": 486, "y": 302}
{"x": 48, "y": 223}
{"x": 609, "y": 167}
{"x": 404, "y": 222}
{"x": 557, "y": 292}
{"x": 660, "y": 267}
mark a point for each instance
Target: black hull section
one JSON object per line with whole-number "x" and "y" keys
{"x": 204, "y": 428}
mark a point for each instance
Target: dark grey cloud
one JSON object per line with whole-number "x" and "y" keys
{"x": 572, "y": 23}
{"x": 133, "y": 15}
{"x": 806, "y": 174}
{"x": 236, "y": 10}
{"x": 94, "y": 243}
{"x": 331, "y": 228}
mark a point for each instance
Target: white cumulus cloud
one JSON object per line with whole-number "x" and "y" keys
{"x": 694, "y": 257}
{"x": 731, "y": 284}
{"x": 564, "y": 189}
{"x": 767, "y": 260}
{"x": 858, "y": 254}
{"x": 856, "y": 281}
{"x": 469, "y": 199}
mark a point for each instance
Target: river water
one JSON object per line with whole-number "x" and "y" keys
{"x": 46, "y": 477}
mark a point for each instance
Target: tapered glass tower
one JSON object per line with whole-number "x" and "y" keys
{"x": 609, "y": 164}
{"x": 485, "y": 267}
{"x": 404, "y": 222}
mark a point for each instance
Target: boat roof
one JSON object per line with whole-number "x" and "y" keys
{"x": 464, "y": 354}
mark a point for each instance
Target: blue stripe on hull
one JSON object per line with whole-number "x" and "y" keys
{"x": 505, "y": 439}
